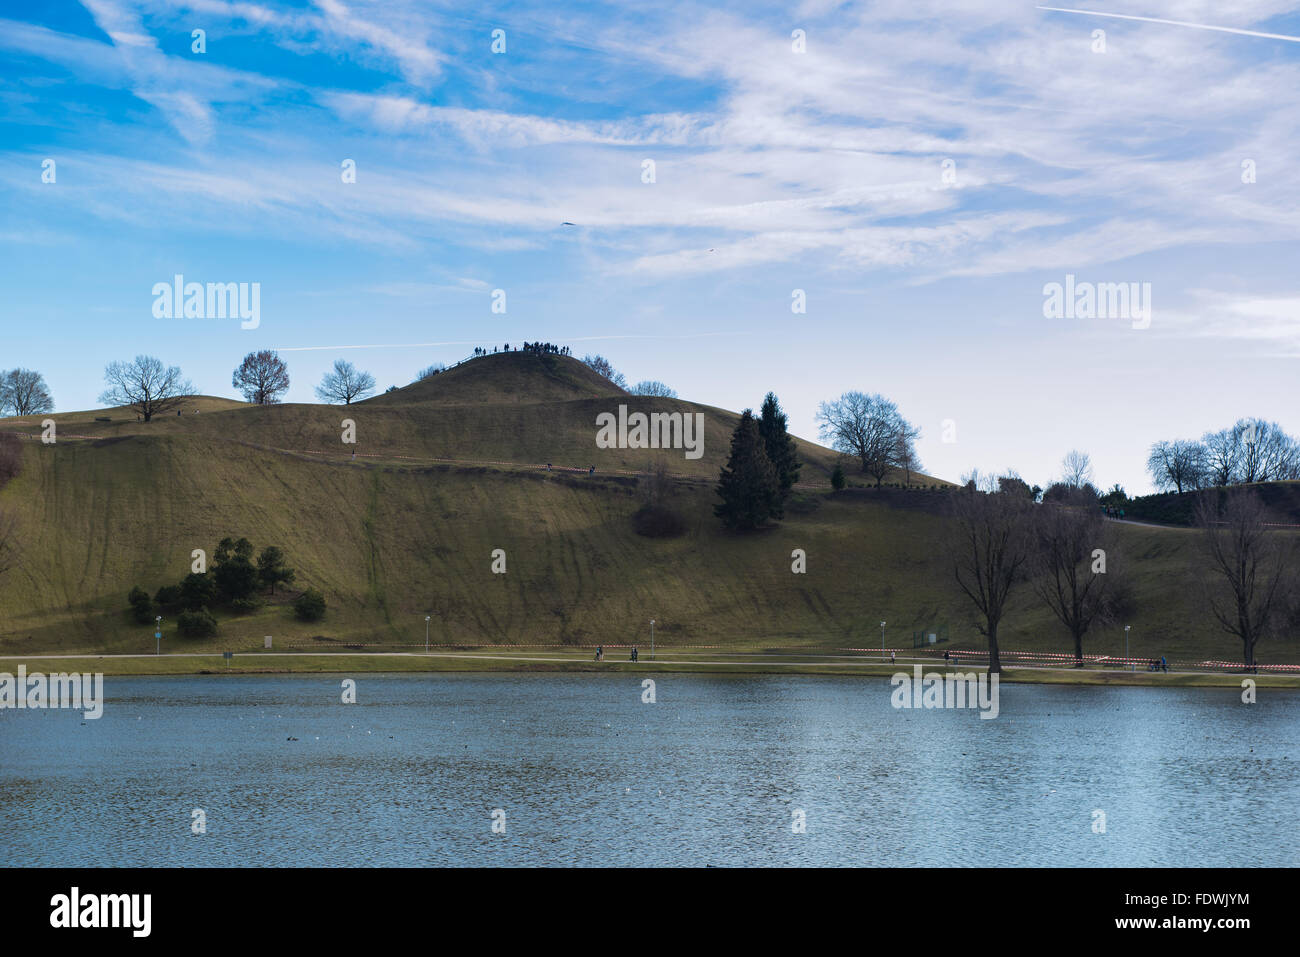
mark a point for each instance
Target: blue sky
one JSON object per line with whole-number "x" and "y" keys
{"x": 774, "y": 170}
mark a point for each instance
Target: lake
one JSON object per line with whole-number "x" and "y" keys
{"x": 715, "y": 772}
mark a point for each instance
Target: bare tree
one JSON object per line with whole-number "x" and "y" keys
{"x": 262, "y": 377}
{"x": 653, "y": 387}
{"x": 344, "y": 383}
{"x": 1253, "y": 561}
{"x": 990, "y": 542}
{"x": 1178, "y": 465}
{"x": 1267, "y": 453}
{"x": 870, "y": 428}
{"x": 1222, "y": 455}
{"x": 605, "y": 367}
{"x": 1073, "y": 548}
{"x": 25, "y": 392}
{"x": 145, "y": 385}
{"x": 905, "y": 456}
{"x": 1077, "y": 468}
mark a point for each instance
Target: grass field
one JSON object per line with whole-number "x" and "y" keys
{"x": 389, "y": 539}
{"x": 497, "y": 659}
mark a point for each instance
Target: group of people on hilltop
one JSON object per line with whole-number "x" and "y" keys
{"x": 537, "y": 348}
{"x": 1114, "y": 511}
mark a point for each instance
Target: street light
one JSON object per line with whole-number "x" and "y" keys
{"x": 157, "y": 635}
{"x": 882, "y": 641}
{"x": 426, "y": 634}
{"x": 1126, "y": 627}
{"x": 652, "y": 639}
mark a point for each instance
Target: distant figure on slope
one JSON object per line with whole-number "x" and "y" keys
{"x": 634, "y": 652}
{"x": 600, "y": 652}
{"x": 947, "y": 657}
{"x": 891, "y": 656}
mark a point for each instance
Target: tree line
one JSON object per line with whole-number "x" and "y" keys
{"x": 149, "y": 387}
{"x": 232, "y": 582}
{"x": 1000, "y": 539}
{"x": 1249, "y": 451}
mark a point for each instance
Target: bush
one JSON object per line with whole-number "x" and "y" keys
{"x": 196, "y": 591}
{"x": 169, "y": 596}
{"x": 245, "y": 605}
{"x": 657, "y": 521}
{"x": 141, "y": 606}
{"x": 196, "y": 624}
{"x": 310, "y": 605}
{"x": 837, "y": 478}
{"x": 236, "y": 578}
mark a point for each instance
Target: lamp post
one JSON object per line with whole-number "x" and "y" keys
{"x": 157, "y": 635}
{"x": 652, "y": 639}
{"x": 1126, "y": 661}
{"x": 426, "y": 633}
{"x": 882, "y": 641}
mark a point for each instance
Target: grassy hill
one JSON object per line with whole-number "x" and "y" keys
{"x": 409, "y": 527}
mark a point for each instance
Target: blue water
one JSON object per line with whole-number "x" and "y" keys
{"x": 586, "y": 773}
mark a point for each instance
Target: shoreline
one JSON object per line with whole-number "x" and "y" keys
{"x": 492, "y": 660}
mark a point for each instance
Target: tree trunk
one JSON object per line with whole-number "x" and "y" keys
{"x": 995, "y": 663}
{"x": 1078, "y": 651}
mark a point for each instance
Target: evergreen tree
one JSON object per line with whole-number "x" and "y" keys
{"x": 271, "y": 568}
{"x": 141, "y": 605}
{"x": 748, "y": 485}
{"x": 780, "y": 448}
{"x": 234, "y": 574}
{"x": 837, "y": 477}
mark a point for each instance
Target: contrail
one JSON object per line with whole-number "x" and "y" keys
{"x": 1178, "y": 23}
{"x": 478, "y": 342}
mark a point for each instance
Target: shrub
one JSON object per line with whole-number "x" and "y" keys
{"x": 837, "y": 477}
{"x": 196, "y": 624}
{"x": 196, "y": 590}
{"x": 236, "y": 578}
{"x": 245, "y": 605}
{"x": 657, "y": 521}
{"x": 141, "y": 606}
{"x": 169, "y": 596}
{"x": 310, "y": 605}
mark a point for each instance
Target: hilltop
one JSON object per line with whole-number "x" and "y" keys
{"x": 451, "y": 468}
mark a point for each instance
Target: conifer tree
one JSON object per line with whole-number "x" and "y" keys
{"x": 748, "y": 485}
{"x": 780, "y": 448}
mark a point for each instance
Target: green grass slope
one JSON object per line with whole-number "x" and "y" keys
{"x": 389, "y": 540}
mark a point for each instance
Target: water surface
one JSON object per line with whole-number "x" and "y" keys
{"x": 587, "y": 773}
